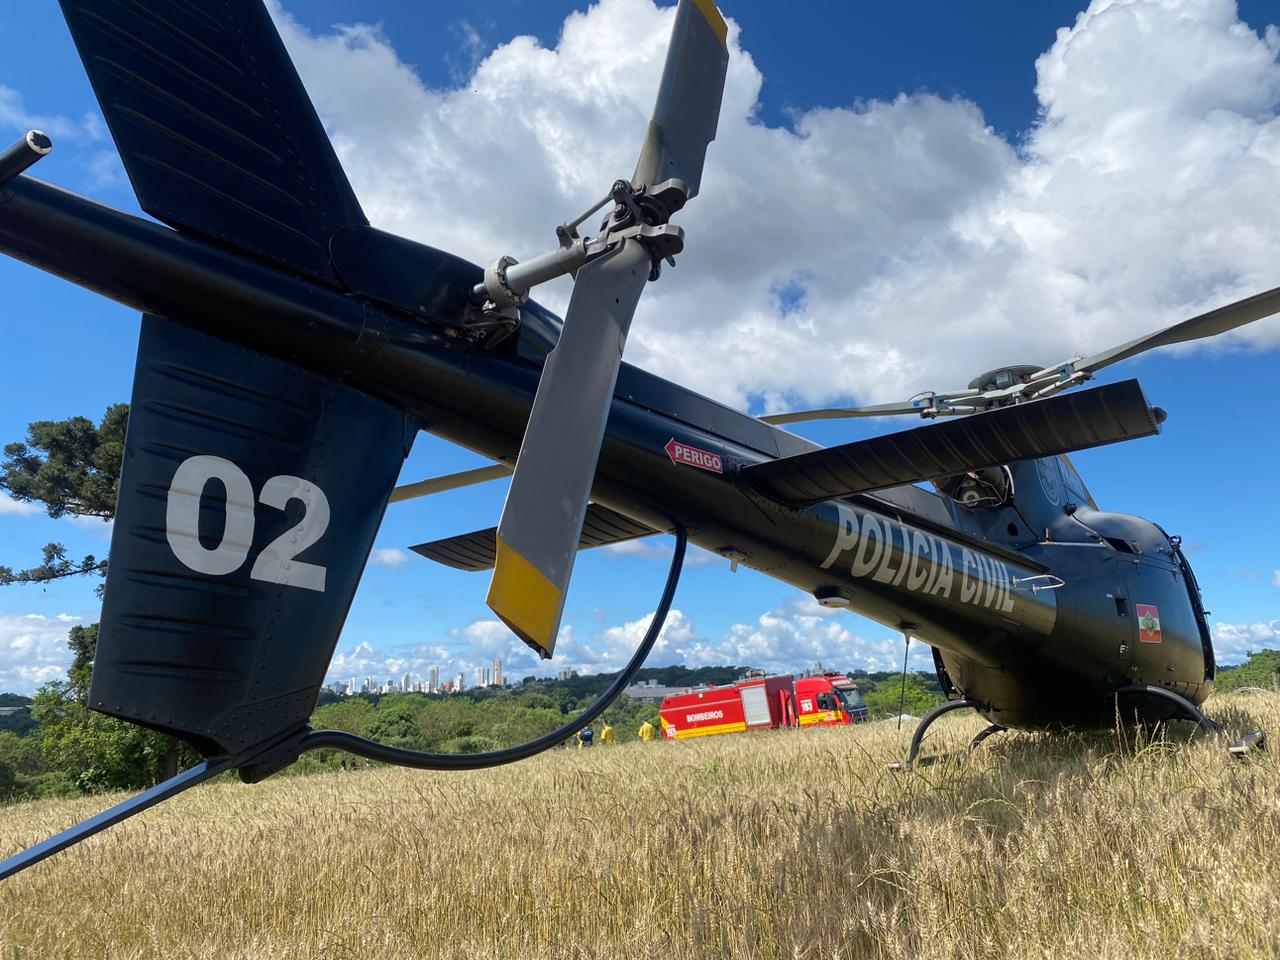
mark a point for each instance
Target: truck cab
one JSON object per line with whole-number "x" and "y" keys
{"x": 829, "y": 700}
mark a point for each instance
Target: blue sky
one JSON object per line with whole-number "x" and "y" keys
{"x": 902, "y": 195}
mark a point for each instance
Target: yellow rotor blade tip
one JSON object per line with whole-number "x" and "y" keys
{"x": 525, "y": 600}
{"x": 715, "y": 20}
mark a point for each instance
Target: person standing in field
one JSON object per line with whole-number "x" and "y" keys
{"x": 646, "y": 731}
{"x": 606, "y": 734}
{"x": 584, "y": 738}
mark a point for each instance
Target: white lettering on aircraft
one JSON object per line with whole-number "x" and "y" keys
{"x": 890, "y": 552}
{"x": 276, "y": 563}
{"x": 693, "y": 457}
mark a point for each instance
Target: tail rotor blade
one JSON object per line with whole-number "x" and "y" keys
{"x": 542, "y": 518}
{"x": 688, "y": 107}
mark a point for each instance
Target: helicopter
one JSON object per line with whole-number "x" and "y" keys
{"x": 290, "y": 353}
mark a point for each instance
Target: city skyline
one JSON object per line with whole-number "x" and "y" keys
{"x": 485, "y": 678}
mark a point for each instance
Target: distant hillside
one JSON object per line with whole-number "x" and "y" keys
{"x": 1260, "y": 670}
{"x": 15, "y": 714}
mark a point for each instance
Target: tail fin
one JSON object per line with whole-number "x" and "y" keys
{"x": 249, "y": 500}
{"x": 215, "y": 129}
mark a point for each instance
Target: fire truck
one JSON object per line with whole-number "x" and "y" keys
{"x": 763, "y": 703}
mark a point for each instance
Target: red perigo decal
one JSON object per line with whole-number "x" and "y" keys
{"x": 693, "y": 457}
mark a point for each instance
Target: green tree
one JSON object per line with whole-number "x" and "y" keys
{"x": 472, "y": 744}
{"x": 354, "y": 716}
{"x": 8, "y": 781}
{"x": 83, "y": 642}
{"x": 883, "y": 698}
{"x": 396, "y": 723}
{"x": 1262, "y": 669}
{"x": 73, "y": 468}
{"x": 447, "y": 719}
{"x": 94, "y": 751}
{"x": 523, "y": 723}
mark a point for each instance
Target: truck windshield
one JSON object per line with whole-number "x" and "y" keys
{"x": 850, "y": 699}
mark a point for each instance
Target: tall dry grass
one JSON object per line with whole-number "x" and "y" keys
{"x": 796, "y": 845}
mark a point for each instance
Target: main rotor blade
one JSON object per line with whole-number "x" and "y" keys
{"x": 1024, "y": 431}
{"x": 848, "y": 413}
{"x": 688, "y": 107}
{"x": 452, "y": 481}
{"x": 1197, "y": 328}
{"x": 542, "y": 518}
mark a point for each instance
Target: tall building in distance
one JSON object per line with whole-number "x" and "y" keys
{"x": 498, "y": 679}
{"x": 458, "y": 684}
{"x": 406, "y": 682}
{"x": 433, "y": 685}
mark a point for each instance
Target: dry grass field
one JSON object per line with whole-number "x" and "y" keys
{"x": 795, "y": 845}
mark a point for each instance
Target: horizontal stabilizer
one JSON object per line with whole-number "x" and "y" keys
{"x": 1024, "y": 431}
{"x": 477, "y": 551}
{"x": 215, "y": 129}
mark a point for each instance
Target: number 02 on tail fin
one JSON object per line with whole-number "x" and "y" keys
{"x": 249, "y": 500}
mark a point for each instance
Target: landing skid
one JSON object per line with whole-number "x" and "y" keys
{"x": 109, "y": 818}
{"x": 1251, "y": 741}
{"x": 1256, "y": 740}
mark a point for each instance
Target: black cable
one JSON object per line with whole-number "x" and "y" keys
{"x": 370, "y": 750}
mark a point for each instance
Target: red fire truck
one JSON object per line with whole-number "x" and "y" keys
{"x": 762, "y": 703}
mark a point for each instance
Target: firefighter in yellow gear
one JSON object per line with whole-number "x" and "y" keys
{"x": 647, "y": 730}
{"x": 606, "y": 734}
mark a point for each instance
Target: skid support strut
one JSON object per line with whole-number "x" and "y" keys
{"x": 1189, "y": 709}
{"x": 924, "y": 725}
{"x": 977, "y": 741}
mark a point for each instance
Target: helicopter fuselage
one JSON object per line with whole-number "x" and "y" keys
{"x": 1038, "y": 608}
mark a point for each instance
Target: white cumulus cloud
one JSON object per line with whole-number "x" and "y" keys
{"x": 869, "y": 250}
{"x": 33, "y": 649}
{"x": 790, "y": 638}
{"x": 392, "y": 557}
{"x": 10, "y": 507}
{"x": 1233, "y": 642}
